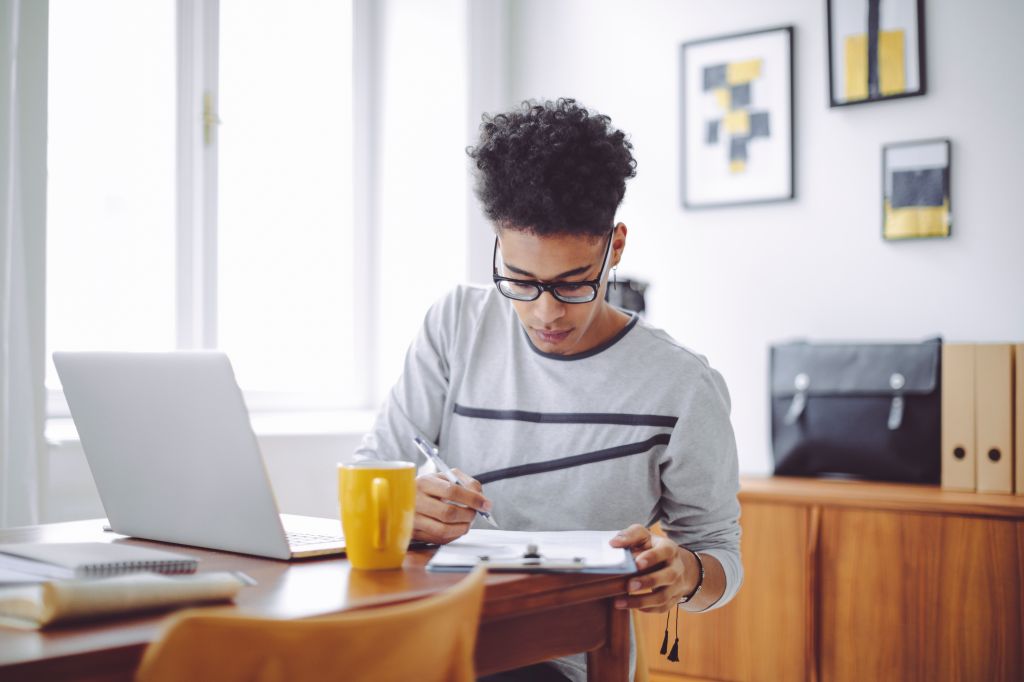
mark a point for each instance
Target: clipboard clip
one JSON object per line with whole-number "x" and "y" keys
{"x": 532, "y": 557}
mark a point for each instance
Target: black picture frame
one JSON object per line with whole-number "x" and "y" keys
{"x": 918, "y": 205}
{"x": 708, "y": 176}
{"x": 884, "y": 44}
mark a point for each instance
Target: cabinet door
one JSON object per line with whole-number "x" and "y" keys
{"x": 907, "y": 596}
{"x": 764, "y": 633}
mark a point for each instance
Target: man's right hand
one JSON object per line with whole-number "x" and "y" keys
{"x": 439, "y": 522}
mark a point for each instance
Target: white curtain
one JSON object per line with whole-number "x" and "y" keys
{"x": 23, "y": 37}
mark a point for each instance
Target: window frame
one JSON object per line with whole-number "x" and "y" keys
{"x": 197, "y": 45}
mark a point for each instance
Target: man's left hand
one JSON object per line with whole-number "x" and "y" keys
{"x": 671, "y": 582}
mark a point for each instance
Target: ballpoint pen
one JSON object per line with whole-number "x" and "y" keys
{"x": 430, "y": 452}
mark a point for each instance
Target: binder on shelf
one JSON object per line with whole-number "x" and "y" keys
{"x": 993, "y": 389}
{"x": 958, "y": 453}
{"x": 1018, "y": 409}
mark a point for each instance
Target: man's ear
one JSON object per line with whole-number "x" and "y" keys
{"x": 618, "y": 243}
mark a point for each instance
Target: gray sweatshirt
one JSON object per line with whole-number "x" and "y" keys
{"x": 635, "y": 430}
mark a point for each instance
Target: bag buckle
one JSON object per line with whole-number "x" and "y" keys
{"x": 896, "y": 382}
{"x": 796, "y": 408}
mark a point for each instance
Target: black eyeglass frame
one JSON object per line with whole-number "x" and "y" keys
{"x": 551, "y": 287}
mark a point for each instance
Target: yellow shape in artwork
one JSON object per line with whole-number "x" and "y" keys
{"x": 739, "y": 73}
{"x": 737, "y": 122}
{"x": 892, "y": 74}
{"x": 892, "y": 71}
{"x": 916, "y": 221}
{"x": 723, "y": 97}
{"x": 737, "y": 166}
{"x": 856, "y": 51}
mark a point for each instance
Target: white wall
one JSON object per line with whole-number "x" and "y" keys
{"x": 728, "y": 282}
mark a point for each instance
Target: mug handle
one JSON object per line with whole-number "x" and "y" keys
{"x": 381, "y": 496}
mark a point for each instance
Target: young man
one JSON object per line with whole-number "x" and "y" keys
{"x": 564, "y": 412}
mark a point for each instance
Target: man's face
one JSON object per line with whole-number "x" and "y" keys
{"x": 555, "y": 326}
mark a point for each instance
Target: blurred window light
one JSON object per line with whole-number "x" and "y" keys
{"x": 110, "y": 274}
{"x": 285, "y": 229}
{"x": 285, "y": 286}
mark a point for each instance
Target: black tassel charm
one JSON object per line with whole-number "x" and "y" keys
{"x": 674, "y": 654}
{"x": 664, "y": 642}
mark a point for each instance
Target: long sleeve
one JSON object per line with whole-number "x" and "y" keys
{"x": 699, "y": 505}
{"x": 635, "y": 432}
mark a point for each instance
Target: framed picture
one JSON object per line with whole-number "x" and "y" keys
{"x": 916, "y": 190}
{"x": 875, "y": 50}
{"x": 737, "y": 119}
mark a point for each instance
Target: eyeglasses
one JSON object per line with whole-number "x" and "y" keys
{"x": 566, "y": 292}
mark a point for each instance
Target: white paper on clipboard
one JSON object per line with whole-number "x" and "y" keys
{"x": 576, "y": 551}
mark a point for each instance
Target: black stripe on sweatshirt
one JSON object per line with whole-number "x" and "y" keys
{"x": 574, "y": 460}
{"x": 568, "y": 417}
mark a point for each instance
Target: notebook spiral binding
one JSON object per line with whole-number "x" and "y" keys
{"x": 165, "y": 567}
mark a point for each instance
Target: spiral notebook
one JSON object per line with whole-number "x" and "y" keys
{"x": 36, "y": 562}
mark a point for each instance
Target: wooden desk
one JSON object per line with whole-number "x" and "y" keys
{"x": 526, "y": 618}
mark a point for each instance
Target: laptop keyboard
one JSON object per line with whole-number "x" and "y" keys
{"x": 296, "y": 539}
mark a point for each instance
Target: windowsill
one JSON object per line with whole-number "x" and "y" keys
{"x": 61, "y": 430}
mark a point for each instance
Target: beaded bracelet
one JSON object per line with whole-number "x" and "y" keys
{"x": 673, "y": 655}
{"x": 700, "y": 580}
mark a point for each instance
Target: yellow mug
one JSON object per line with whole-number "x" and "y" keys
{"x": 378, "y": 501}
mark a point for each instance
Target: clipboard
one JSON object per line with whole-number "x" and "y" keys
{"x": 581, "y": 551}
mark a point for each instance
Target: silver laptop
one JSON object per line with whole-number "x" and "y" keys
{"x": 169, "y": 442}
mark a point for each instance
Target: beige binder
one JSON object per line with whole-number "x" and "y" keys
{"x": 1018, "y": 409}
{"x": 958, "y": 465}
{"x": 993, "y": 417}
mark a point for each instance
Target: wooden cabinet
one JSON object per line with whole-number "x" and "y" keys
{"x": 909, "y": 596}
{"x": 862, "y": 581}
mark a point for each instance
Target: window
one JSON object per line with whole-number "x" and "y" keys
{"x": 167, "y": 229}
{"x": 285, "y": 227}
{"x": 111, "y": 169}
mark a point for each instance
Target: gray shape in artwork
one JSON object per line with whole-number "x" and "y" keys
{"x": 920, "y": 187}
{"x": 740, "y": 96}
{"x": 759, "y": 124}
{"x": 714, "y": 76}
{"x": 738, "y": 148}
{"x": 712, "y": 136}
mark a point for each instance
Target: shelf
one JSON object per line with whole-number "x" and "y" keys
{"x": 881, "y": 496}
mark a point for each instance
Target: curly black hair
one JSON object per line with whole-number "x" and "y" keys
{"x": 552, "y": 168}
